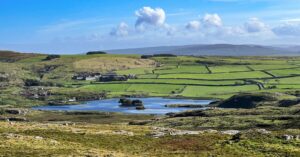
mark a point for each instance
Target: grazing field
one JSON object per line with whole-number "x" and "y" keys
{"x": 155, "y": 88}
{"x": 219, "y": 76}
{"x": 106, "y": 87}
{"x": 285, "y": 72}
{"x": 228, "y": 68}
{"x": 273, "y": 66}
{"x": 186, "y": 82}
{"x": 136, "y": 71}
{"x": 217, "y": 92}
{"x": 183, "y": 69}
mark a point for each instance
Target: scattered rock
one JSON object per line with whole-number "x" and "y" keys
{"x": 161, "y": 131}
{"x": 108, "y": 155}
{"x": 140, "y": 107}
{"x": 237, "y": 137}
{"x": 16, "y": 111}
{"x": 54, "y": 142}
{"x": 11, "y": 135}
{"x": 123, "y": 132}
{"x": 157, "y": 134}
{"x": 263, "y": 131}
{"x": 230, "y": 132}
{"x": 17, "y": 119}
{"x": 185, "y": 132}
{"x": 297, "y": 137}
{"x": 288, "y": 137}
{"x": 3, "y": 119}
{"x": 211, "y": 131}
{"x": 38, "y": 138}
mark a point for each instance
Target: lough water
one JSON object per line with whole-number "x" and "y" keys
{"x": 152, "y": 105}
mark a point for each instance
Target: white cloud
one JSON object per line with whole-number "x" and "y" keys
{"x": 254, "y": 25}
{"x": 170, "y": 29}
{"x": 121, "y": 30}
{"x": 287, "y": 29}
{"x": 193, "y": 25}
{"x": 210, "y": 20}
{"x": 150, "y": 16}
{"x": 232, "y": 31}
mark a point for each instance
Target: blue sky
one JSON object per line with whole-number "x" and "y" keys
{"x": 75, "y": 26}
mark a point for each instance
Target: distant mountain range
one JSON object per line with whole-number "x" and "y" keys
{"x": 216, "y": 50}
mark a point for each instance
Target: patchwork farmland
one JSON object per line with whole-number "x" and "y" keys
{"x": 203, "y": 77}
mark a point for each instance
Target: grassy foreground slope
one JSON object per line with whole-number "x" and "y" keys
{"x": 35, "y": 139}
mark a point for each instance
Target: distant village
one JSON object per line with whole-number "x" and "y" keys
{"x": 107, "y": 77}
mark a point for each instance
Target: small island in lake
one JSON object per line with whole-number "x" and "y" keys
{"x": 138, "y": 104}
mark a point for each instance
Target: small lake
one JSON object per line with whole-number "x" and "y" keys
{"x": 152, "y": 105}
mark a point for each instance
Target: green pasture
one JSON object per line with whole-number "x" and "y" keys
{"x": 228, "y": 68}
{"x": 136, "y": 71}
{"x": 184, "y": 69}
{"x": 186, "y": 81}
{"x": 272, "y": 66}
{"x": 105, "y": 87}
{"x": 285, "y": 72}
{"x": 155, "y": 88}
{"x": 216, "y": 92}
{"x": 219, "y": 76}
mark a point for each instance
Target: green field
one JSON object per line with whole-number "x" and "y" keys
{"x": 217, "y": 92}
{"x": 285, "y": 72}
{"x": 186, "y": 81}
{"x": 183, "y": 69}
{"x": 228, "y": 68}
{"x": 219, "y": 76}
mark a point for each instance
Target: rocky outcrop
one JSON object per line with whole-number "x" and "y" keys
{"x": 16, "y": 111}
{"x": 290, "y": 137}
{"x": 138, "y": 104}
{"x": 4, "y": 77}
{"x": 194, "y": 113}
{"x": 86, "y": 76}
{"x": 36, "y": 93}
{"x": 288, "y": 103}
{"x": 246, "y": 101}
{"x": 161, "y": 131}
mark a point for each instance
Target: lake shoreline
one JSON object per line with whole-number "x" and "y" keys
{"x": 153, "y": 105}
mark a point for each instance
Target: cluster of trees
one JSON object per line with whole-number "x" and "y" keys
{"x": 50, "y": 57}
{"x": 157, "y": 55}
{"x": 33, "y": 82}
{"x": 95, "y": 52}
